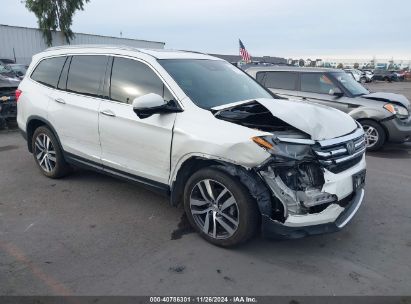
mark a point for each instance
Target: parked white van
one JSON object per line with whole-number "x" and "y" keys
{"x": 199, "y": 130}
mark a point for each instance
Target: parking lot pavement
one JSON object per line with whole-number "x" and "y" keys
{"x": 90, "y": 234}
{"x": 400, "y": 87}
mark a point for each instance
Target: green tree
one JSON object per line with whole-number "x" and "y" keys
{"x": 55, "y": 15}
{"x": 340, "y": 66}
{"x": 356, "y": 65}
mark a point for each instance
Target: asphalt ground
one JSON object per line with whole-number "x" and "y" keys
{"x": 90, "y": 234}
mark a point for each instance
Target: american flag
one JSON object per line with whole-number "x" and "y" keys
{"x": 243, "y": 53}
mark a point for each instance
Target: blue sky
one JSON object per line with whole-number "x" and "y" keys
{"x": 292, "y": 28}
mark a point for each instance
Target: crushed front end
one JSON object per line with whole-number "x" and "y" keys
{"x": 8, "y": 105}
{"x": 316, "y": 186}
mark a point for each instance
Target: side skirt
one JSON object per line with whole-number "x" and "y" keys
{"x": 149, "y": 184}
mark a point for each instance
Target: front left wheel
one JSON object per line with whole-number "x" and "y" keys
{"x": 48, "y": 154}
{"x": 220, "y": 208}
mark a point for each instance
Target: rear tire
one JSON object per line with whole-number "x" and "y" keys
{"x": 226, "y": 215}
{"x": 48, "y": 154}
{"x": 375, "y": 136}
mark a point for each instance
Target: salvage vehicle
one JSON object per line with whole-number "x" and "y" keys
{"x": 385, "y": 117}
{"x": 19, "y": 69}
{"x": 384, "y": 75}
{"x": 199, "y": 130}
{"x": 358, "y": 75}
{"x": 8, "y": 105}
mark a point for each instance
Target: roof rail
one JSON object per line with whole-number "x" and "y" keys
{"x": 93, "y": 46}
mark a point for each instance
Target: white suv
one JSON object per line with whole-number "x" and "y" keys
{"x": 200, "y": 130}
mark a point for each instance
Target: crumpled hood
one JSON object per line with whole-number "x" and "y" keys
{"x": 320, "y": 122}
{"x": 389, "y": 97}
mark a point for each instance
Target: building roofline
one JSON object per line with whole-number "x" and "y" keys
{"x": 293, "y": 68}
{"x": 96, "y": 35}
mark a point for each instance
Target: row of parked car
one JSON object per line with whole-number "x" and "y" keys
{"x": 280, "y": 149}
{"x": 10, "y": 75}
{"x": 369, "y": 75}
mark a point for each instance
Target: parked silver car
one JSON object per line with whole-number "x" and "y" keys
{"x": 384, "y": 116}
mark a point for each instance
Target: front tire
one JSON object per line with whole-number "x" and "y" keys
{"x": 375, "y": 136}
{"x": 220, "y": 208}
{"x": 48, "y": 154}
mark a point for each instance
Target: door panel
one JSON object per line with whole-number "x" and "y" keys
{"x": 133, "y": 145}
{"x": 137, "y": 146}
{"x": 74, "y": 110}
{"x": 75, "y": 119}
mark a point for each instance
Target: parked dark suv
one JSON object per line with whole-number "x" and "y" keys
{"x": 384, "y": 116}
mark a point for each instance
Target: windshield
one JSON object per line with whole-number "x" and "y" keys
{"x": 18, "y": 68}
{"x": 350, "y": 84}
{"x": 211, "y": 83}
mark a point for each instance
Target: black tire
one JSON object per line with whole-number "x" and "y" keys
{"x": 248, "y": 214}
{"x": 363, "y": 80}
{"x": 382, "y": 136}
{"x": 60, "y": 168}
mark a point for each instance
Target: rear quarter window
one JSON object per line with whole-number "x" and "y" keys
{"x": 281, "y": 80}
{"x": 48, "y": 71}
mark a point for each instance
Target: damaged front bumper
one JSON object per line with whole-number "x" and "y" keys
{"x": 315, "y": 196}
{"x": 332, "y": 219}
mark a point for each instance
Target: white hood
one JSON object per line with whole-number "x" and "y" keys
{"x": 320, "y": 122}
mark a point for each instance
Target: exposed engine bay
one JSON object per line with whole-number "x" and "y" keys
{"x": 254, "y": 115}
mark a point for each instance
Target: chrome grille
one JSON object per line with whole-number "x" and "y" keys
{"x": 339, "y": 154}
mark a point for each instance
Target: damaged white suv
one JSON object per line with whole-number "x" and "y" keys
{"x": 199, "y": 130}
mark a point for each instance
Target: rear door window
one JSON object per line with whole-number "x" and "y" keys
{"x": 86, "y": 74}
{"x": 316, "y": 83}
{"x": 281, "y": 80}
{"x": 48, "y": 71}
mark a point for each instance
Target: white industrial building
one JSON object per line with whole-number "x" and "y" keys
{"x": 382, "y": 63}
{"x": 21, "y": 43}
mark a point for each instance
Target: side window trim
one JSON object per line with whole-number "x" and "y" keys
{"x": 64, "y": 80}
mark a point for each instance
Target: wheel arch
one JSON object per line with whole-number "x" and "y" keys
{"x": 247, "y": 177}
{"x": 387, "y": 135}
{"x": 34, "y": 122}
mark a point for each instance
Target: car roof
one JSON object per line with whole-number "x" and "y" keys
{"x": 121, "y": 49}
{"x": 291, "y": 69}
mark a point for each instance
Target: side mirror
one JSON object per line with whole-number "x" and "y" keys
{"x": 149, "y": 104}
{"x": 336, "y": 92}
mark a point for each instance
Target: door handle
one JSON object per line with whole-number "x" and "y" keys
{"x": 303, "y": 98}
{"x": 59, "y": 100}
{"x": 108, "y": 113}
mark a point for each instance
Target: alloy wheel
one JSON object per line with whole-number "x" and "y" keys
{"x": 45, "y": 152}
{"x": 371, "y": 136}
{"x": 214, "y": 209}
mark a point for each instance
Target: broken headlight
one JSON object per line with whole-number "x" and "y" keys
{"x": 399, "y": 111}
{"x": 288, "y": 150}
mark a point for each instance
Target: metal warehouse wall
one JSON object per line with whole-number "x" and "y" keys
{"x": 29, "y": 41}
